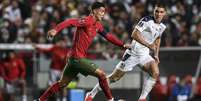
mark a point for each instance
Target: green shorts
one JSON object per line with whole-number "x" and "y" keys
{"x": 83, "y": 66}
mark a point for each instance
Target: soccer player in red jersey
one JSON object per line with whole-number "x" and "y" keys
{"x": 14, "y": 71}
{"x": 87, "y": 28}
{"x": 58, "y": 61}
{"x": 58, "y": 58}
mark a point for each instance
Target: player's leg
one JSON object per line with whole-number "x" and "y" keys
{"x": 116, "y": 75}
{"x": 1, "y": 88}
{"x": 22, "y": 83}
{"x": 127, "y": 64}
{"x": 100, "y": 74}
{"x": 151, "y": 68}
{"x": 64, "y": 94}
{"x": 64, "y": 91}
{"x": 10, "y": 89}
{"x": 68, "y": 74}
{"x": 56, "y": 87}
{"x": 88, "y": 68}
{"x": 54, "y": 77}
{"x": 1, "y": 97}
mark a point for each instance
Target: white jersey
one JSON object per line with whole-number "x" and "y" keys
{"x": 150, "y": 31}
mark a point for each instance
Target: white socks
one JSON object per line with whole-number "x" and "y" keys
{"x": 111, "y": 99}
{"x": 64, "y": 99}
{"x": 95, "y": 90}
{"x": 149, "y": 82}
{"x": 24, "y": 97}
{"x": 57, "y": 99}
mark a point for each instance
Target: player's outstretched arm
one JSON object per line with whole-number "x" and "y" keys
{"x": 76, "y": 22}
{"x": 65, "y": 24}
{"x": 41, "y": 49}
{"x": 156, "y": 54}
{"x": 137, "y": 36}
{"x": 113, "y": 39}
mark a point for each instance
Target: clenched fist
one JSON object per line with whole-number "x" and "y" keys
{"x": 51, "y": 33}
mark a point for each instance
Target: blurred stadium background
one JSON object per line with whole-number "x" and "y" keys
{"x": 25, "y": 22}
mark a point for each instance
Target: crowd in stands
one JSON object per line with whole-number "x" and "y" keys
{"x": 177, "y": 89}
{"x": 27, "y": 21}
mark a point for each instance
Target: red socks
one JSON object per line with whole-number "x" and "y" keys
{"x": 50, "y": 91}
{"x": 105, "y": 87}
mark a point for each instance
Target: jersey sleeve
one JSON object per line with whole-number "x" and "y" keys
{"x": 76, "y": 22}
{"x": 142, "y": 25}
{"x": 163, "y": 27}
{"x": 110, "y": 37}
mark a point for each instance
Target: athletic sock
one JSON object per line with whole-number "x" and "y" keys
{"x": 24, "y": 97}
{"x": 50, "y": 91}
{"x": 95, "y": 90}
{"x": 149, "y": 82}
{"x": 64, "y": 99}
{"x": 105, "y": 87}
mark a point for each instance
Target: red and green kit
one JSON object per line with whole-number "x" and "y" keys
{"x": 86, "y": 30}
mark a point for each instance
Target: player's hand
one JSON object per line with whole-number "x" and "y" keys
{"x": 51, "y": 33}
{"x": 127, "y": 46}
{"x": 157, "y": 59}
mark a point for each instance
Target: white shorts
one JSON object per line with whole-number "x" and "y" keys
{"x": 130, "y": 61}
{"x": 11, "y": 88}
{"x": 54, "y": 76}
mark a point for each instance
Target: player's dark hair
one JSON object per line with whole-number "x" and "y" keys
{"x": 161, "y": 5}
{"x": 97, "y": 5}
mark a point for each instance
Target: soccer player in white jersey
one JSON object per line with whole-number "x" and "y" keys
{"x": 146, "y": 39}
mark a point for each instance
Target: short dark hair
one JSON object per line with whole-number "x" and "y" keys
{"x": 97, "y": 5}
{"x": 161, "y": 5}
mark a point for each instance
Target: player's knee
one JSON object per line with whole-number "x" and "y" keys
{"x": 22, "y": 83}
{"x": 62, "y": 83}
{"x": 155, "y": 75}
{"x": 114, "y": 79}
{"x": 101, "y": 74}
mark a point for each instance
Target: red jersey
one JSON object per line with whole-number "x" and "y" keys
{"x": 59, "y": 56}
{"x": 14, "y": 69}
{"x": 87, "y": 29}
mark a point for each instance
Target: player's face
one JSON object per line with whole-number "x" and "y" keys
{"x": 159, "y": 14}
{"x": 99, "y": 13}
{"x": 11, "y": 55}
